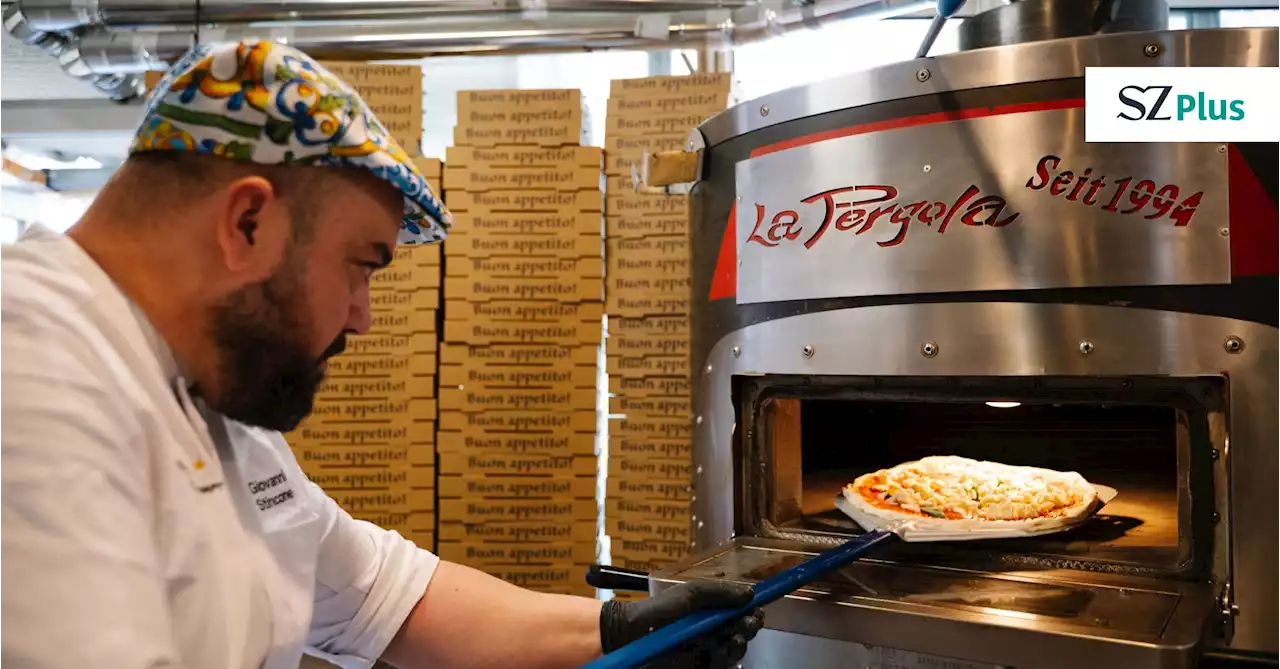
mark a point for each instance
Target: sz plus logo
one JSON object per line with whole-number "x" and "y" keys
{"x": 1140, "y": 108}
{"x": 1182, "y": 104}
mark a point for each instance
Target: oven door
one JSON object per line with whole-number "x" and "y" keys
{"x": 1023, "y": 619}
{"x": 1131, "y": 588}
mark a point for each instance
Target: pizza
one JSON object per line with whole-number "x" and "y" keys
{"x": 958, "y": 493}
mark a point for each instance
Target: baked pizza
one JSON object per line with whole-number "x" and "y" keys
{"x": 958, "y": 493}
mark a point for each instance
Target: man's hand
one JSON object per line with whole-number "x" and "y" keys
{"x": 624, "y": 622}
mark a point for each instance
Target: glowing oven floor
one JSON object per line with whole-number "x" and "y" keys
{"x": 1139, "y": 527}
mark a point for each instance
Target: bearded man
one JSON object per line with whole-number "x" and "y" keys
{"x": 152, "y": 514}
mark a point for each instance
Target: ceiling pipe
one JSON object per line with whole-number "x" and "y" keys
{"x": 114, "y": 52}
{"x": 62, "y": 15}
{"x": 108, "y": 51}
{"x": 113, "y": 59}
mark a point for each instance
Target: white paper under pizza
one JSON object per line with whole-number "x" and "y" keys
{"x": 915, "y": 528}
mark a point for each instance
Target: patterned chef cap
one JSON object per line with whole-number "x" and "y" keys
{"x": 262, "y": 102}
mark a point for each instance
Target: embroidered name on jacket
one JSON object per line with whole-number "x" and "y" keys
{"x": 263, "y": 490}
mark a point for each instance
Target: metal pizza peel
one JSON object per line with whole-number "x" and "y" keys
{"x": 767, "y": 591}
{"x": 878, "y": 532}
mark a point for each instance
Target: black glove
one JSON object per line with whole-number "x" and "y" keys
{"x": 624, "y": 622}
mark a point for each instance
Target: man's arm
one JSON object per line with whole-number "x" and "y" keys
{"x": 470, "y": 620}
{"x": 379, "y": 595}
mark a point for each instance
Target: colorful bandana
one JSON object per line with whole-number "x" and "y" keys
{"x": 271, "y": 104}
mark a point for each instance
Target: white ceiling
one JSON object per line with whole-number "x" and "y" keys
{"x": 34, "y": 90}
{"x": 27, "y": 73}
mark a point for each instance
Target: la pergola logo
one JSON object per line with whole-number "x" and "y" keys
{"x": 1182, "y": 104}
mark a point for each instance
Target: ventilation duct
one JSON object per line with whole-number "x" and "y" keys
{"x": 61, "y": 15}
{"x": 119, "y": 86}
{"x": 109, "y": 42}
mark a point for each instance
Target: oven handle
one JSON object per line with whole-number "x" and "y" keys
{"x": 606, "y": 577}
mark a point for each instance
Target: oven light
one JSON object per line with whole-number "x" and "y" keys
{"x": 1004, "y": 405}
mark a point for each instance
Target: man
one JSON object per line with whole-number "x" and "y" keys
{"x": 152, "y": 514}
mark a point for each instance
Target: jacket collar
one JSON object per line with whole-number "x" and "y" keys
{"x": 145, "y": 346}
{"x": 69, "y": 254}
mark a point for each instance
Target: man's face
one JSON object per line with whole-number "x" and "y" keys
{"x": 275, "y": 335}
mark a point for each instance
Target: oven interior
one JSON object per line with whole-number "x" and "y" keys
{"x": 1150, "y": 439}
{"x": 1132, "y": 587}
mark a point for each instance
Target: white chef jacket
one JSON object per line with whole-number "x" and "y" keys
{"x": 142, "y": 531}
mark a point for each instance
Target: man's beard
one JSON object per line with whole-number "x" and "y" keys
{"x": 267, "y": 375}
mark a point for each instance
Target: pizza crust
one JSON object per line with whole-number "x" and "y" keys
{"x": 1086, "y": 503}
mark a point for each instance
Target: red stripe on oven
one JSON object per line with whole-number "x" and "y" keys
{"x": 1253, "y": 218}
{"x": 922, "y": 119}
{"x": 724, "y": 283}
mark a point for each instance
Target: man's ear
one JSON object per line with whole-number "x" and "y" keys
{"x": 252, "y": 226}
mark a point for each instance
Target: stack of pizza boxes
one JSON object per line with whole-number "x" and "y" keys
{"x": 522, "y": 331}
{"x": 647, "y": 290}
{"x": 370, "y": 440}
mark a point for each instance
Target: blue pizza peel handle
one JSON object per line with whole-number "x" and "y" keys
{"x": 767, "y": 591}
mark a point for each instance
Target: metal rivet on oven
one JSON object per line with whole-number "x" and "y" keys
{"x": 923, "y": 75}
{"x": 693, "y": 498}
{"x": 1222, "y": 148}
{"x": 928, "y": 349}
{"x": 1215, "y": 454}
{"x": 1151, "y": 50}
{"x": 764, "y": 110}
{"x": 708, "y": 369}
{"x": 701, "y": 524}
{"x": 736, "y": 351}
{"x": 698, "y": 420}
{"x": 1217, "y": 517}
{"x": 928, "y": 168}
{"x": 1225, "y": 232}
{"x": 807, "y": 351}
{"x": 1086, "y": 347}
{"x": 739, "y": 198}
{"x": 698, "y": 470}
{"x": 1233, "y": 344}
{"x": 691, "y": 145}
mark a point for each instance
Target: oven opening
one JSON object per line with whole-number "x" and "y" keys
{"x": 1143, "y": 439}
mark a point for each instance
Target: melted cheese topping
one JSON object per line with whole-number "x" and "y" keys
{"x": 955, "y": 487}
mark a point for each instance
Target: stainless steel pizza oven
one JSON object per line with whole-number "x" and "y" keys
{"x": 881, "y": 272}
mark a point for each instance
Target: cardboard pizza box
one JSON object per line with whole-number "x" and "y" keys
{"x": 498, "y": 421}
